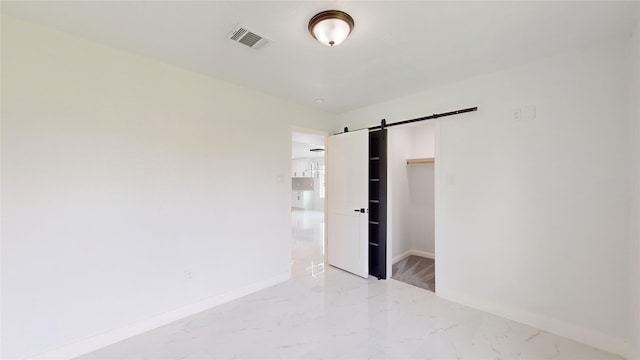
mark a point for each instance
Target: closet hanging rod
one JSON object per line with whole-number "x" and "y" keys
{"x": 420, "y": 161}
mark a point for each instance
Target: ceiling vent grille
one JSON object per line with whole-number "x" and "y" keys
{"x": 243, "y": 35}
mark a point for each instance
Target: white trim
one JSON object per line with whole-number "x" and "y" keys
{"x": 408, "y": 253}
{"x": 86, "y": 345}
{"x": 423, "y": 254}
{"x": 402, "y": 256}
{"x": 555, "y": 326}
{"x": 437, "y": 191}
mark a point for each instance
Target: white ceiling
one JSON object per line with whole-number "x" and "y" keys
{"x": 396, "y": 48}
{"x": 302, "y": 143}
{"x": 303, "y": 151}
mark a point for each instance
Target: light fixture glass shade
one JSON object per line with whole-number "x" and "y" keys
{"x": 331, "y": 27}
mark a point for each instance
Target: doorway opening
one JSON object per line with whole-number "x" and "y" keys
{"x": 411, "y": 195}
{"x": 307, "y": 203}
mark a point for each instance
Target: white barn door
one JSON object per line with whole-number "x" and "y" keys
{"x": 348, "y": 198}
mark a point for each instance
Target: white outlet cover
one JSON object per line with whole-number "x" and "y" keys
{"x": 516, "y": 115}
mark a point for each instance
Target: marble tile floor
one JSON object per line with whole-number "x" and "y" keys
{"x": 326, "y": 313}
{"x": 307, "y": 232}
{"x": 338, "y": 315}
{"x": 417, "y": 271}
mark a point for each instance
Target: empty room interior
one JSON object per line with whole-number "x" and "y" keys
{"x": 320, "y": 179}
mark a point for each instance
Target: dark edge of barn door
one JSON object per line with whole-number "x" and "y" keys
{"x": 378, "y": 203}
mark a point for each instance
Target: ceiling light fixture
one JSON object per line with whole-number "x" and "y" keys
{"x": 331, "y": 27}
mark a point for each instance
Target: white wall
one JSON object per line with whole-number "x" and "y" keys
{"x": 421, "y": 207}
{"x": 635, "y": 223}
{"x": 398, "y": 195}
{"x": 120, "y": 173}
{"x": 423, "y": 136}
{"x": 534, "y": 227}
{"x": 422, "y": 188}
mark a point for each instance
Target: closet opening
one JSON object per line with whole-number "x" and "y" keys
{"x": 411, "y": 215}
{"x": 402, "y": 167}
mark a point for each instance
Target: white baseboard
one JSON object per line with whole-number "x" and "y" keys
{"x": 558, "y": 327}
{"x": 401, "y": 257}
{"x": 406, "y": 254}
{"x": 423, "y": 254}
{"x": 83, "y": 346}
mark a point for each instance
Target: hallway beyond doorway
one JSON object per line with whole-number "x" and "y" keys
{"x": 307, "y": 202}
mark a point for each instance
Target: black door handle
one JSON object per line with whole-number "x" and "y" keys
{"x": 361, "y": 210}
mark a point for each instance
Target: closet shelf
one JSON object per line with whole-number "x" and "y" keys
{"x": 422, "y": 161}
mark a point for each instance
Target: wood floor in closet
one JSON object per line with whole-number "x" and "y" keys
{"x": 417, "y": 271}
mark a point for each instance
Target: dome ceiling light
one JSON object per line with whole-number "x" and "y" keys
{"x": 331, "y": 27}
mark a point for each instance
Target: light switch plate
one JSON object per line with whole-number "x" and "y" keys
{"x": 528, "y": 112}
{"x": 451, "y": 179}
